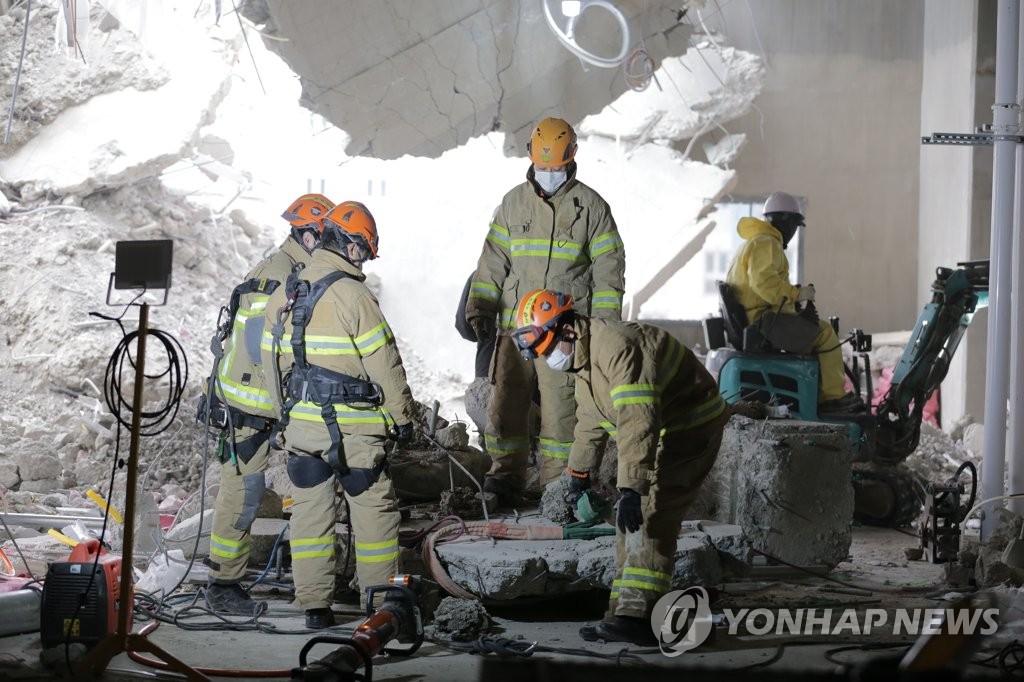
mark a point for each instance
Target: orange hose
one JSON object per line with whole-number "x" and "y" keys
{"x": 215, "y": 672}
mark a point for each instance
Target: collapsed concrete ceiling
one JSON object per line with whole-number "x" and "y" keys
{"x": 421, "y": 78}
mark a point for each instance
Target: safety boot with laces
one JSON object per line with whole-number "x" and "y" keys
{"x": 621, "y": 629}
{"x": 318, "y": 619}
{"x": 232, "y": 599}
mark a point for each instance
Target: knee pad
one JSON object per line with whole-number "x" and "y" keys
{"x": 255, "y": 485}
{"x": 308, "y": 472}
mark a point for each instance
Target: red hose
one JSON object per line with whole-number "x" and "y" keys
{"x": 215, "y": 672}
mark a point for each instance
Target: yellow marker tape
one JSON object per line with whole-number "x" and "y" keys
{"x": 95, "y": 497}
{"x": 63, "y": 538}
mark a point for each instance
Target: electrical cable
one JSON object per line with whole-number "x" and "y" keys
{"x": 569, "y": 42}
{"x": 518, "y": 648}
{"x": 823, "y": 576}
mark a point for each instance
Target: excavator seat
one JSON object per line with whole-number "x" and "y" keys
{"x": 740, "y": 334}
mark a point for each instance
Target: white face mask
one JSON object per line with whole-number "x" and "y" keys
{"x": 550, "y": 181}
{"x": 560, "y": 361}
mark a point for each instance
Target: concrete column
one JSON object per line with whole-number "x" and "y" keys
{"x": 1005, "y": 123}
{"x": 1016, "y": 435}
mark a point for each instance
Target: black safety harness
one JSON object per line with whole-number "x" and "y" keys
{"x": 214, "y": 411}
{"x": 314, "y": 384}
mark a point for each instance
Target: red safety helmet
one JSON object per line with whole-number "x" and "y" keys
{"x": 537, "y": 319}
{"x": 352, "y": 221}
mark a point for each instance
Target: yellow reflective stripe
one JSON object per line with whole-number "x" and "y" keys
{"x": 641, "y": 585}
{"x": 228, "y": 549}
{"x": 658, "y": 576}
{"x": 309, "y": 412}
{"x": 484, "y": 290}
{"x": 374, "y": 339}
{"x": 610, "y": 428}
{"x": 499, "y": 235}
{"x": 668, "y": 367}
{"x": 563, "y": 250}
{"x": 606, "y": 299}
{"x": 319, "y": 344}
{"x": 508, "y": 318}
{"x": 238, "y": 394}
{"x": 267, "y": 341}
{"x": 376, "y": 552}
{"x": 634, "y": 394}
{"x": 708, "y": 410}
{"x": 499, "y": 445}
{"x": 555, "y": 449}
{"x": 308, "y": 548}
{"x": 605, "y": 243}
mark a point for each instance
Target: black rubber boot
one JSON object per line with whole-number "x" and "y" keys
{"x": 621, "y": 629}
{"x": 232, "y": 599}
{"x": 318, "y": 619}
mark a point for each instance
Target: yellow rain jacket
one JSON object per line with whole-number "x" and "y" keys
{"x": 567, "y": 243}
{"x": 759, "y": 272}
{"x": 637, "y": 383}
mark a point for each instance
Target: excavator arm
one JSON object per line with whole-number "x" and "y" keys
{"x": 956, "y": 296}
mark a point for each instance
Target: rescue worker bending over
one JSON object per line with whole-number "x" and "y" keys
{"x": 550, "y": 231}
{"x": 343, "y": 387}
{"x": 637, "y": 383}
{"x": 243, "y": 408}
{"x": 759, "y": 275}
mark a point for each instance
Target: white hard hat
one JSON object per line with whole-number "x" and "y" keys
{"x": 780, "y": 202}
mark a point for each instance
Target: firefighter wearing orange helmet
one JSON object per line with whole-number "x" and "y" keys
{"x": 241, "y": 406}
{"x": 636, "y": 383}
{"x": 549, "y": 231}
{"x": 343, "y": 391}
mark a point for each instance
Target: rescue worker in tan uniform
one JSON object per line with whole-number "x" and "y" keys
{"x": 344, "y": 390}
{"x": 637, "y": 383}
{"x": 550, "y": 231}
{"x": 759, "y": 276}
{"x": 240, "y": 384}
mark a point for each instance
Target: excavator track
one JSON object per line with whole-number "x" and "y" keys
{"x": 891, "y": 497}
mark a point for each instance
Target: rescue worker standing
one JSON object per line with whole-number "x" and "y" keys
{"x": 637, "y": 383}
{"x": 343, "y": 388}
{"x": 550, "y": 231}
{"x": 759, "y": 276}
{"x": 241, "y": 384}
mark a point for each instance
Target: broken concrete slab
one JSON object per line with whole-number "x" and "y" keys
{"x": 501, "y": 570}
{"x": 788, "y": 484}
{"x": 423, "y": 474}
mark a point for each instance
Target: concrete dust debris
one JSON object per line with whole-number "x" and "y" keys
{"x": 461, "y": 501}
{"x": 459, "y": 620}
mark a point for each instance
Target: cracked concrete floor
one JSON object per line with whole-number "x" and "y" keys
{"x": 877, "y": 575}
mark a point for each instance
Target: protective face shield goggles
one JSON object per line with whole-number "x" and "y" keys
{"x": 534, "y": 341}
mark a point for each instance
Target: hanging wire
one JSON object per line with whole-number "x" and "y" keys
{"x": 17, "y": 74}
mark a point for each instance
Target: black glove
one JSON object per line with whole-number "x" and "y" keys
{"x": 579, "y": 482}
{"x": 809, "y": 312}
{"x": 404, "y": 433}
{"x": 357, "y": 481}
{"x": 483, "y": 327}
{"x": 629, "y": 517}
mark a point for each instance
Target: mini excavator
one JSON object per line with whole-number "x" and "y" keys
{"x": 748, "y": 368}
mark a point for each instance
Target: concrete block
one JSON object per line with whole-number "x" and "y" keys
{"x": 508, "y": 569}
{"x": 9, "y": 477}
{"x": 38, "y": 466}
{"x": 787, "y": 484}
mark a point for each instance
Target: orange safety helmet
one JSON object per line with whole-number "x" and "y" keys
{"x": 537, "y": 317}
{"x": 308, "y": 211}
{"x": 352, "y": 221}
{"x": 553, "y": 143}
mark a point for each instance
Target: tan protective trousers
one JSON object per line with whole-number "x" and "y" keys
{"x": 507, "y": 436}
{"x": 241, "y": 491}
{"x": 645, "y": 559}
{"x": 374, "y": 517}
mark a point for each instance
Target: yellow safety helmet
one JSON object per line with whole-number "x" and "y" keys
{"x": 552, "y": 144}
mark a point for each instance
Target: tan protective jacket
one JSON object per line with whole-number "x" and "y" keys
{"x": 636, "y": 383}
{"x": 567, "y": 242}
{"x": 242, "y": 382}
{"x": 759, "y": 273}
{"x": 347, "y": 333}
